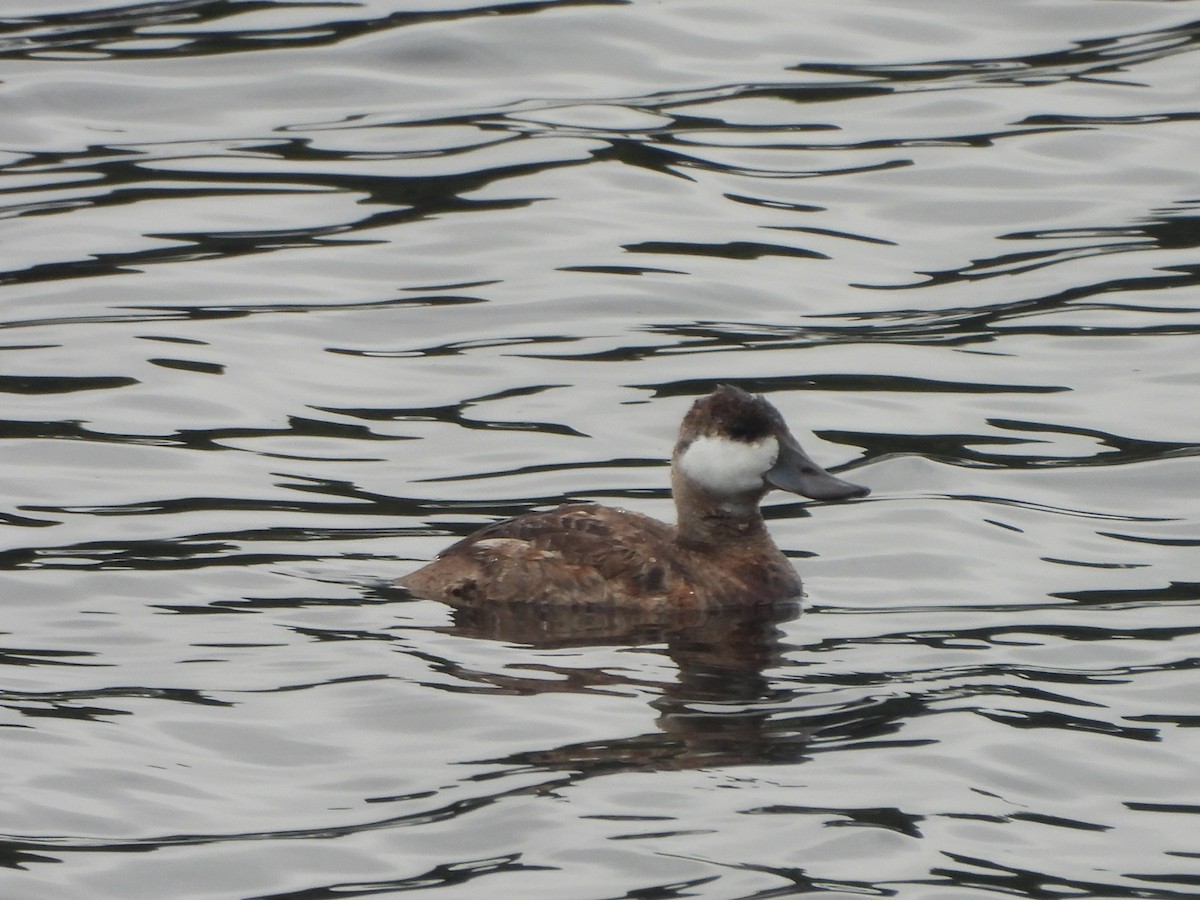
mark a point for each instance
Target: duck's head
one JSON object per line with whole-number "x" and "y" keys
{"x": 734, "y": 447}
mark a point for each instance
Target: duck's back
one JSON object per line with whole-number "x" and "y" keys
{"x": 581, "y": 553}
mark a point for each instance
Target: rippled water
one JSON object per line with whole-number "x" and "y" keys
{"x": 293, "y": 292}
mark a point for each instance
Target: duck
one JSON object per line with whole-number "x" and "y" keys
{"x": 733, "y": 448}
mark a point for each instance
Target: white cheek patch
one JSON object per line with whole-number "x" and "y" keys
{"x": 722, "y": 466}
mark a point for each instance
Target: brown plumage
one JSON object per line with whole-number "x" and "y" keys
{"x": 732, "y": 448}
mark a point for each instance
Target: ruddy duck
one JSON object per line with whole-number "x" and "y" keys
{"x": 733, "y": 447}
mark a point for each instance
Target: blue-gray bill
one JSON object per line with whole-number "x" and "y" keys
{"x": 795, "y": 471}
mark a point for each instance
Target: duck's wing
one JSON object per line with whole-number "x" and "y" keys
{"x": 580, "y": 554}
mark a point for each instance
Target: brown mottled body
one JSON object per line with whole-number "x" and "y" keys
{"x": 586, "y": 553}
{"x": 732, "y": 449}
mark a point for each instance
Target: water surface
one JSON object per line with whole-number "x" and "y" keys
{"x": 293, "y": 293}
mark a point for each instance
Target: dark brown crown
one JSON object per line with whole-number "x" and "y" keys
{"x": 732, "y": 413}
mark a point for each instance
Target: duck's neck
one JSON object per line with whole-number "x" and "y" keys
{"x": 705, "y": 521}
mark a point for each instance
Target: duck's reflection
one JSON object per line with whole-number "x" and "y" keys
{"x": 722, "y": 708}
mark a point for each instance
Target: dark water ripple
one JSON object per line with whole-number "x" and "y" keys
{"x": 294, "y": 292}
{"x": 198, "y": 27}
